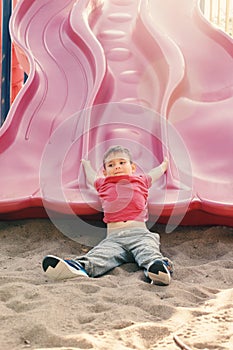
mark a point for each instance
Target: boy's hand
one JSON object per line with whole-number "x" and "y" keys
{"x": 90, "y": 173}
{"x": 165, "y": 163}
{"x": 158, "y": 171}
{"x": 85, "y": 161}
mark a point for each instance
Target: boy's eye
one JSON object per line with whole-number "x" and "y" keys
{"x": 122, "y": 162}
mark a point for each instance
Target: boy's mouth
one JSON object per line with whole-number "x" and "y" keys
{"x": 119, "y": 173}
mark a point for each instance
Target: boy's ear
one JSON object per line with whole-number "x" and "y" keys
{"x": 104, "y": 172}
{"x": 133, "y": 166}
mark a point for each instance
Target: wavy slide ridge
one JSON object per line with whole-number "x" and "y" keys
{"x": 102, "y": 72}
{"x": 63, "y": 78}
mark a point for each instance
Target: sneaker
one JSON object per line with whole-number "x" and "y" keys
{"x": 160, "y": 272}
{"x": 60, "y": 269}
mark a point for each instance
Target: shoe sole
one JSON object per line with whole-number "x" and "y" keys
{"x": 159, "y": 277}
{"x": 57, "y": 269}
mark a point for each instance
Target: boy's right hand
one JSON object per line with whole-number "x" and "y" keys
{"x": 85, "y": 162}
{"x": 90, "y": 173}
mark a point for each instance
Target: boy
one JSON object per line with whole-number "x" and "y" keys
{"x": 124, "y": 200}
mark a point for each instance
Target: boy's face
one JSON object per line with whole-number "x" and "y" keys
{"x": 118, "y": 164}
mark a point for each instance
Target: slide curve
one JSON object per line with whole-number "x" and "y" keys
{"x": 119, "y": 71}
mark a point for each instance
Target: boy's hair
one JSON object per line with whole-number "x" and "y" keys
{"x": 117, "y": 149}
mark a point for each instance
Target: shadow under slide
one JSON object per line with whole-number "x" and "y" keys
{"x": 127, "y": 72}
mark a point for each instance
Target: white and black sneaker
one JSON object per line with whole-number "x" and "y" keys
{"x": 160, "y": 272}
{"x": 60, "y": 269}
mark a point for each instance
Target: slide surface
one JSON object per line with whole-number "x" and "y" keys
{"x": 119, "y": 71}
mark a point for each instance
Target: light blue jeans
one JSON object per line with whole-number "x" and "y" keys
{"x": 122, "y": 246}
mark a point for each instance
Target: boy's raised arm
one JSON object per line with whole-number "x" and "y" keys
{"x": 157, "y": 172}
{"x": 90, "y": 173}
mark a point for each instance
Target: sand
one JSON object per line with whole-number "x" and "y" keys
{"x": 120, "y": 310}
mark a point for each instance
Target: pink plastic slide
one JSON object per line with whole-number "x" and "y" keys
{"x": 144, "y": 74}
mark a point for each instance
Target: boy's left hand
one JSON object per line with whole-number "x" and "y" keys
{"x": 165, "y": 163}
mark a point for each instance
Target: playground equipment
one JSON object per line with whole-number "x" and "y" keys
{"x": 129, "y": 71}
{"x": 12, "y": 75}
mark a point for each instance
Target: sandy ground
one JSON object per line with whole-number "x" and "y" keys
{"x": 120, "y": 310}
